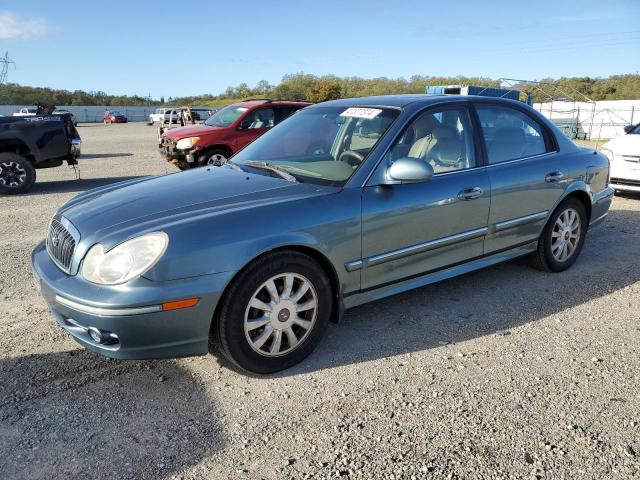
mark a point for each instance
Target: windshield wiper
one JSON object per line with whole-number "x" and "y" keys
{"x": 272, "y": 168}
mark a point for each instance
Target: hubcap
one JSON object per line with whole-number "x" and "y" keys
{"x": 565, "y": 235}
{"x": 12, "y": 174}
{"x": 216, "y": 159}
{"x": 280, "y": 314}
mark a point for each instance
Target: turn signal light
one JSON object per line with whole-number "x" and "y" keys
{"x": 178, "y": 304}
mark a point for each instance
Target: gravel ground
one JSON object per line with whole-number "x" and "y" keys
{"x": 504, "y": 373}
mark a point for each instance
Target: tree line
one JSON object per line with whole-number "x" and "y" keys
{"x": 301, "y": 86}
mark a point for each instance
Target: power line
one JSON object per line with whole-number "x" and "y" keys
{"x": 5, "y": 61}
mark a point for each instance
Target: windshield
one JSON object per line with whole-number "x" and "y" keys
{"x": 116, "y": 113}
{"x": 225, "y": 116}
{"x": 323, "y": 145}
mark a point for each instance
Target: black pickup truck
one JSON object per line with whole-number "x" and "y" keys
{"x": 29, "y": 143}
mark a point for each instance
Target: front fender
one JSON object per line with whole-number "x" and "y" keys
{"x": 328, "y": 224}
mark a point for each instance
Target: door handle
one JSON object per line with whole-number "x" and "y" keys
{"x": 470, "y": 193}
{"x": 554, "y": 177}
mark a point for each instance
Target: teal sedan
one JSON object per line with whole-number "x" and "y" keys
{"x": 343, "y": 203}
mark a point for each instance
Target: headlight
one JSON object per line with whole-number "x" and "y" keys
{"x": 185, "y": 143}
{"x": 124, "y": 262}
{"x": 607, "y": 153}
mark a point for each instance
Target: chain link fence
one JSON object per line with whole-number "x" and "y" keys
{"x": 91, "y": 113}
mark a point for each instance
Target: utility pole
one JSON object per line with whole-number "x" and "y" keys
{"x": 5, "y": 61}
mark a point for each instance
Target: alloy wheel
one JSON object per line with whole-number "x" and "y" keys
{"x": 280, "y": 314}
{"x": 565, "y": 235}
{"x": 12, "y": 174}
{"x": 216, "y": 159}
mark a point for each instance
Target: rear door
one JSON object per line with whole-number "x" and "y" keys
{"x": 527, "y": 174}
{"x": 254, "y": 124}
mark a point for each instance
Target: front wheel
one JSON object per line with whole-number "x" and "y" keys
{"x": 17, "y": 174}
{"x": 274, "y": 313}
{"x": 563, "y": 237}
{"x": 215, "y": 158}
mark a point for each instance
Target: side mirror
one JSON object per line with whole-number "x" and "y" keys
{"x": 409, "y": 170}
{"x": 628, "y": 128}
{"x": 244, "y": 124}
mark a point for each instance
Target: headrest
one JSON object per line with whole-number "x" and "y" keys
{"x": 509, "y": 135}
{"x": 423, "y": 125}
{"x": 444, "y": 132}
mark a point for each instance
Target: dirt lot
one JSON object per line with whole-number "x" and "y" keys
{"x": 505, "y": 373}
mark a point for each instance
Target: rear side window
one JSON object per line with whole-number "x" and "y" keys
{"x": 510, "y": 134}
{"x": 284, "y": 112}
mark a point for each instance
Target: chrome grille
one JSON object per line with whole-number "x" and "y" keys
{"x": 60, "y": 245}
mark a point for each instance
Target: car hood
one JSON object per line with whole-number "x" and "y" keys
{"x": 152, "y": 203}
{"x": 191, "y": 131}
{"x": 624, "y": 145}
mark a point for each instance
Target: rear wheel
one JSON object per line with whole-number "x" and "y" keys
{"x": 274, "y": 314}
{"x": 563, "y": 237}
{"x": 17, "y": 174}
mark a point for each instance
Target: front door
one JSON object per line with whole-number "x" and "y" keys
{"x": 409, "y": 230}
{"x": 254, "y": 124}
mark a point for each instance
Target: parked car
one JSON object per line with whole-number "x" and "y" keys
{"x": 26, "y": 112}
{"x": 345, "y": 202}
{"x": 114, "y": 116}
{"x": 165, "y": 115}
{"x": 624, "y": 156}
{"x": 201, "y": 114}
{"x": 29, "y": 143}
{"x": 58, "y": 111}
{"x": 224, "y": 133}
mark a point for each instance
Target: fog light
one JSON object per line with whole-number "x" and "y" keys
{"x": 96, "y": 335}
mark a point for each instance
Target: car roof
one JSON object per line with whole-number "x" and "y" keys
{"x": 277, "y": 103}
{"x": 400, "y": 101}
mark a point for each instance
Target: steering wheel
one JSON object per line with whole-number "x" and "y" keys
{"x": 358, "y": 157}
{"x": 316, "y": 148}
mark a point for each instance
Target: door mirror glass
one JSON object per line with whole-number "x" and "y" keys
{"x": 245, "y": 124}
{"x": 628, "y": 128}
{"x": 409, "y": 170}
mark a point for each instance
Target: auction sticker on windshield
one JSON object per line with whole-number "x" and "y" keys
{"x": 360, "y": 112}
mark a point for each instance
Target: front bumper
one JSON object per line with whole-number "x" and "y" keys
{"x": 182, "y": 158}
{"x": 131, "y": 316}
{"x": 625, "y": 174}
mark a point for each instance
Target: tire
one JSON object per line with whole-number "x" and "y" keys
{"x": 215, "y": 157}
{"x": 17, "y": 174}
{"x": 257, "y": 350}
{"x": 550, "y": 256}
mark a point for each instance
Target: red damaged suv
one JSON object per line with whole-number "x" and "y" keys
{"x": 224, "y": 133}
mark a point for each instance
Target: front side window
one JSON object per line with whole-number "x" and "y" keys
{"x": 262, "y": 118}
{"x": 323, "y": 145}
{"x": 440, "y": 137}
{"x": 225, "y": 116}
{"x": 509, "y": 133}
